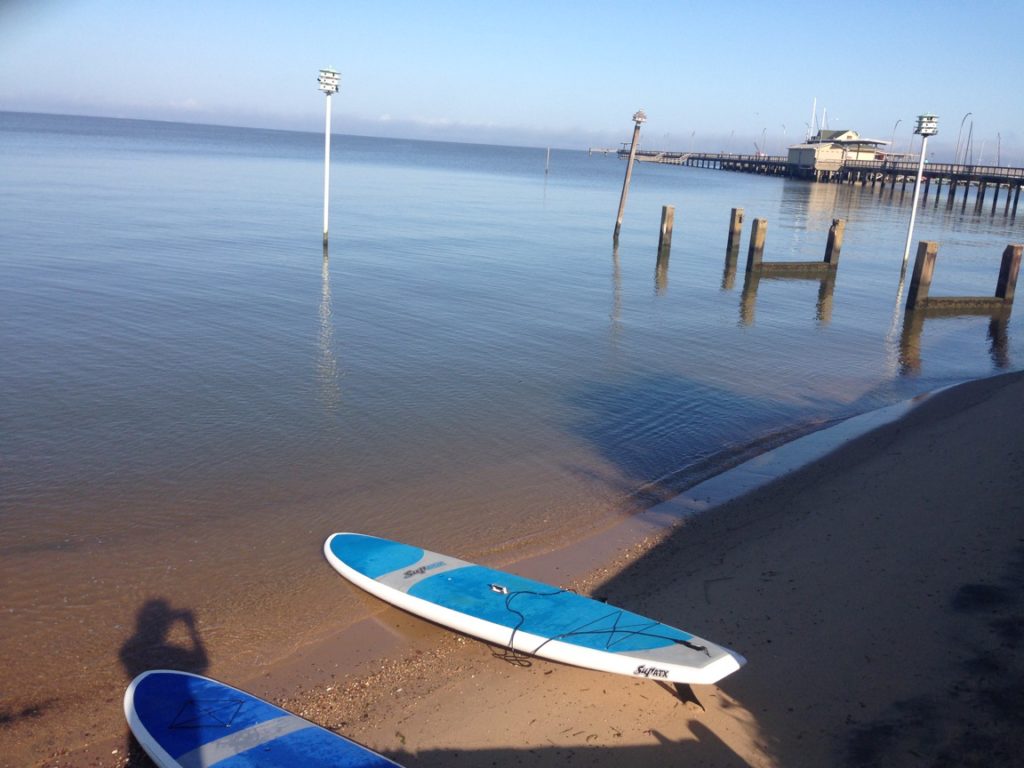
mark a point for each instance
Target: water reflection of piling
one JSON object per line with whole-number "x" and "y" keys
{"x": 823, "y": 305}
{"x": 616, "y": 313}
{"x": 913, "y": 327}
{"x": 729, "y": 272}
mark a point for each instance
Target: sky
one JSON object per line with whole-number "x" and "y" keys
{"x": 740, "y": 76}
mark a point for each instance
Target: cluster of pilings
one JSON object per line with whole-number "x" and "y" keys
{"x": 919, "y": 306}
{"x": 824, "y": 271}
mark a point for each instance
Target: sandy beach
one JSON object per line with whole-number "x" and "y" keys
{"x": 877, "y": 593}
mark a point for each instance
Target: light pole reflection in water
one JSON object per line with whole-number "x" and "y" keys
{"x": 328, "y": 376}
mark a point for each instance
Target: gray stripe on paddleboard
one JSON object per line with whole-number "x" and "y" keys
{"x": 236, "y": 743}
{"x": 678, "y": 653}
{"x": 429, "y": 565}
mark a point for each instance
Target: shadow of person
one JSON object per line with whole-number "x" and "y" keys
{"x": 165, "y": 638}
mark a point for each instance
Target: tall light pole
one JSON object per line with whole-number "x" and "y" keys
{"x": 956, "y": 152}
{"x": 328, "y": 80}
{"x": 927, "y": 125}
{"x": 639, "y": 119}
{"x": 892, "y": 144}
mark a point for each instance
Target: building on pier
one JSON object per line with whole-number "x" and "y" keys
{"x": 827, "y": 152}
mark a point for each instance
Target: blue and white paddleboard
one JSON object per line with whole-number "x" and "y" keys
{"x": 526, "y": 616}
{"x": 189, "y": 721}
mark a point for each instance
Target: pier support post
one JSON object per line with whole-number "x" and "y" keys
{"x": 1008, "y": 269}
{"x": 755, "y": 253}
{"x": 732, "y": 245}
{"x": 924, "y": 268}
{"x": 835, "y": 242}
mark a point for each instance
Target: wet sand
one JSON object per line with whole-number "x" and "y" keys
{"x": 877, "y": 593}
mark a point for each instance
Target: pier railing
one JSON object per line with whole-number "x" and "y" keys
{"x": 988, "y": 173}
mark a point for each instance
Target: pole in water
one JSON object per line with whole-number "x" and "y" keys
{"x": 927, "y": 125}
{"x": 639, "y": 118}
{"x": 328, "y": 80}
{"x": 732, "y": 245}
{"x": 547, "y": 162}
{"x": 668, "y": 217}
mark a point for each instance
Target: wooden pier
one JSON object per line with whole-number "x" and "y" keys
{"x": 954, "y": 182}
{"x": 956, "y": 178}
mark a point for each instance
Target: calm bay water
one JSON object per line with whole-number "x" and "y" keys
{"x": 193, "y": 397}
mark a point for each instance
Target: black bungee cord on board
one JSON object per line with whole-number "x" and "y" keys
{"x": 519, "y": 659}
{"x": 509, "y": 653}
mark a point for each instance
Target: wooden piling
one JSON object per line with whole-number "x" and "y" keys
{"x": 732, "y": 245}
{"x": 668, "y": 215}
{"x": 835, "y": 242}
{"x": 638, "y": 120}
{"x": 1008, "y": 269}
{"x": 924, "y": 268}
{"x": 979, "y": 201}
{"x": 755, "y": 253}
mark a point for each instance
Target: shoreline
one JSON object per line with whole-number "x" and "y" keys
{"x": 380, "y": 701}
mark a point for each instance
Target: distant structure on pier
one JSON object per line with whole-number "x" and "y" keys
{"x": 847, "y": 157}
{"x": 827, "y": 151}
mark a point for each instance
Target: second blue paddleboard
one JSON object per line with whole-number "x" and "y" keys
{"x": 184, "y": 720}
